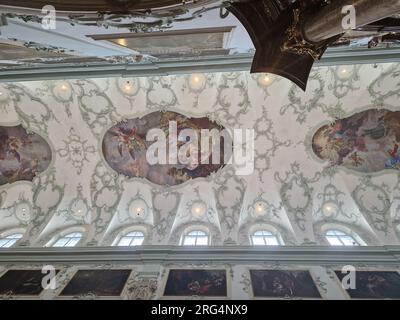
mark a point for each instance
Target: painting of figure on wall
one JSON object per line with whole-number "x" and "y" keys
{"x": 283, "y": 284}
{"x": 125, "y": 149}
{"x": 366, "y": 142}
{"x": 22, "y": 282}
{"x": 208, "y": 283}
{"x": 22, "y": 155}
{"x": 374, "y": 285}
{"x": 106, "y": 283}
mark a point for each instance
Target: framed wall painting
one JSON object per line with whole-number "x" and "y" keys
{"x": 98, "y": 283}
{"x": 22, "y": 283}
{"x": 209, "y": 283}
{"x": 280, "y": 284}
{"x": 372, "y": 284}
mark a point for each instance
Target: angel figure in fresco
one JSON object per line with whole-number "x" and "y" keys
{"x": 130, "y": 139}
{"x": 394, "y": 158}
{"x": 10, "y": 145}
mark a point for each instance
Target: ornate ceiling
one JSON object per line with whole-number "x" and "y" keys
{"x": 81, "y": 191}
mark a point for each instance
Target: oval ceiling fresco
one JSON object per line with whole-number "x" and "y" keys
{"x": 128, "y": 149}
{"x": 366, "y": 142}
{"x": 22, "y": 155}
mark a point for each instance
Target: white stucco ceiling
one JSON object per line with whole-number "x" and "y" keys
{"x": 288, "y": 178}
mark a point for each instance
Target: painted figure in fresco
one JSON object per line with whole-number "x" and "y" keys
{"x": 394, "y": 160}
{"x": 283, "y": 283}
{"x": 129, "y": 139}
{"x": 22, "y": 155}
{"x": 367, "y": 141}
{"x": 125, "y": 147}
{"x": 203, "y": 288}
{"x": 374, "y": 285}
{"x": 211, "y": 283}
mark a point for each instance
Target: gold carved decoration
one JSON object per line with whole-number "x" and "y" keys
{"x": 296, "y": 42}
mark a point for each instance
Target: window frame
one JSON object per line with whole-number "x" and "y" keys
{"x": 10, "y": 237}
{"x": 266, "y": 233}
{"x": 203, "y": 234}
{"x": 339, "y": 235}
{"x": 69, "y": 238}
{"x": 132, "y": 238}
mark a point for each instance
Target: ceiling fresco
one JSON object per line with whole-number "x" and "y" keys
{"x": 22, "y": 155}
{"x": 89, "y": 124}
{"x": 367, "y": 141}
{"x": 125, "y": 148}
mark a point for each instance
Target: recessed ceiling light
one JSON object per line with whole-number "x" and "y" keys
{"x": 329, "y": 209}
{"x": 127, "y": 87}
{"x": 199, "y": 209}
{"x": 197, "y": 81}
{"x": 260, "y": 208}
{"x": 138, "y": 209}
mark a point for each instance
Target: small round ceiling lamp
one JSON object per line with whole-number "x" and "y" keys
{"x": 197, "y": 81}
{"x": 138, "y": 209}
{"x": 79, "y": 209}
{"x": 260, "y": 208}
{"x": 329, "y": 209}
{"x": 199, "y": 209}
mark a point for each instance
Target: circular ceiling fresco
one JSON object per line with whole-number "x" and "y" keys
{"x": 166, "y": 148}
{"x": 22, "y": 155}
{"x": 366, "y": 142}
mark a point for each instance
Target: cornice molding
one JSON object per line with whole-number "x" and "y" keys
{"x": 240, "y": 62}
{"x": 245, "y": 255}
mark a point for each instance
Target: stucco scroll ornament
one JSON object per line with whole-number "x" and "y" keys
{"x": 385, "y": 89}
{"x": 246, "y": 282}
{"x": 267, "y": 144}
{"x": 302, "y": 103}
{"x": 229, "y": 194}
{"x": 96, "y": 107}
{"x": 106, "y": 191}
{"x": 165, "y": 206}
{"x": 232, "y": 83}
{"x": 47, "y": 195}
{"x": 296, "y": 186}
{"x": 344, "y": 79}
{"x": 374, "y": 202}
{"x": 76, "y": 150}
{"x": 141, "y": 289}
{"x": 332, "y": 195}
{"x": 22, "y": 97}
{"x": 146, "y": 20}
{"x": 196, "y": 84}
{"x": 160, "y": 93}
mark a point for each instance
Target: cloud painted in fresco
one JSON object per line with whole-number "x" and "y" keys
{"x": 367, "y": 142}
{"x": 22, "y": 155}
